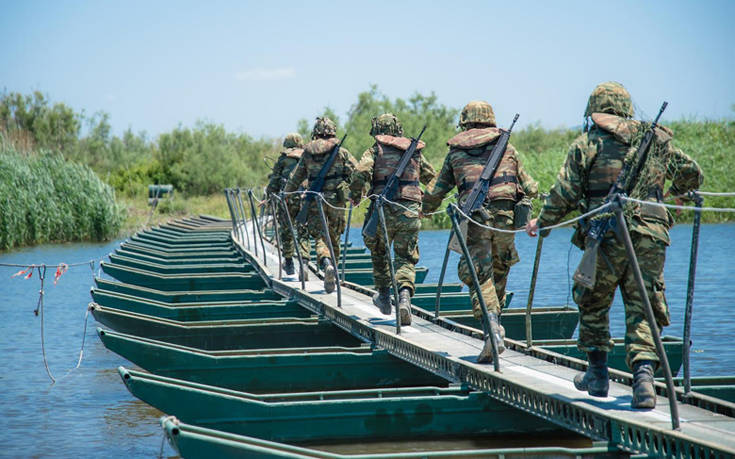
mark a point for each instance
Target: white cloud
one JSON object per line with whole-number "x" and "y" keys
{"x": 264, "y": 74}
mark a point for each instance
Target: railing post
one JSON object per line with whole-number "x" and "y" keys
{"x": 243, "y": 214}
{"x": 277, "y": 237}
{"x": 687, "y": 344}
{"x": 532, "y": 291}
{"x": 325, "y": 227}
{"x": 653, "y": 325}
{"x": 297, "y": 246}
{"x": 232, "y": 212}
{"x": 437, "y": 303}
{"x": 386, "y": 242}
{"x": 347, "y": 239}
{"x": 487, "y": 327}
{"x": 257, "y": 227}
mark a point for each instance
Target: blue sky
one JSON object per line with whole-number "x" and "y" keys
{"x": 258, "y": 67}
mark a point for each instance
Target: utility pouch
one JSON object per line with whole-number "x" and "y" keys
{"x": 522, "y": 213}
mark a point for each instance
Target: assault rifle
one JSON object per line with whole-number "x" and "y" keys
{"x": 391, "y": 186}
{"x": 318, "y": 183}
{"x": 479, "y": 191}
{"x": 624, "y": 184}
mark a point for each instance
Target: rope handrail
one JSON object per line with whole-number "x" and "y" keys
{"x": 679, "y": 207}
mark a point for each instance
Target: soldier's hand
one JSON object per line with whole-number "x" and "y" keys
{"x": 532, "y": 227}
{"x": 355, "y": 202}
{"x": 261, "y": 204}
{"x": 677, "y": 200}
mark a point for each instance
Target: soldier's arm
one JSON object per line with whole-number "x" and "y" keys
{"x": 526, "y": 182}
{"x": 427, "y": 173}
{"x": 274, "y": 179}
{"x": 297, "y": 175}
{"x": 444, "y": 184}
{"x": 566, "y": 193}
{"x": 363, "y": 175}
{"x": 350, "y": 163}
{"x": 683, "y": 171}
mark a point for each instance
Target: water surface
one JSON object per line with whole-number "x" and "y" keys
{"x": 89, "y": 413}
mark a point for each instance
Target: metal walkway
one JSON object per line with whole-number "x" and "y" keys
{"x": 534, "y": 385}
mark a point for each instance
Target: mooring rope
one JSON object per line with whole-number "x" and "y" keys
{"x": 61, "y": 268}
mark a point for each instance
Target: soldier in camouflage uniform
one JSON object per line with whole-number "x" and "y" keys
{"x": 375, "y": 168}
{"x": 493, "y": 253}
{"x": 334, "y": 191}
{"x": 293, "y": 147}
{"x": 594, "y": 160}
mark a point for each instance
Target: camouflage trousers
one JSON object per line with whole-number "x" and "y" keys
{"x": 284, "y": 231}
{"x": 315, "y": 228}
{"x": 403, "y": 232}
{"x": 493, "y": 254}
{"x": 594, "y": 304}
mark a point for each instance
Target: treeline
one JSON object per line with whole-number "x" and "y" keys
{"x": 198, "y": 160}
{"x": 205, "y": 158}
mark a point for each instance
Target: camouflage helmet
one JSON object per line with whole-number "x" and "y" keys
{"x": 293, "y": 140}
{"x": 323, "y": 127}
{"x": 386, "y": 124}
{"x": 477, "y": 112}
{"x": 610, "y": 97}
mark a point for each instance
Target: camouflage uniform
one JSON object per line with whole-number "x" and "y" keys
{"x": 493, "y": 253}
{"x": 374, "y": 169}
{"x": 335, "y": 187}
{"x": 293, "y": 148}
{"x": 592, "y": 165}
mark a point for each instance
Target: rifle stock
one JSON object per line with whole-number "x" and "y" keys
{"x": 586, "y": 273}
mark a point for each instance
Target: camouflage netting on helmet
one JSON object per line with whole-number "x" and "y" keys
{"x": 293, "y": 140}
{"x": 478, "y": 113}
{"x": 323, "y": 127}
{"x": 610, "y": 97}
{"x": 386, "y": 124}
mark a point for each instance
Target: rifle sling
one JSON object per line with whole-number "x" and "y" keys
{"x": 400, "y": 182}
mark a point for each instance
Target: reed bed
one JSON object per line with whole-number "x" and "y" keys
{"x": 45, "y": 198}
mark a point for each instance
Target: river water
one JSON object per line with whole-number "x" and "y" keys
{"x": 89, "y": 413}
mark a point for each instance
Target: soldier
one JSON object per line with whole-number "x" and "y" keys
{"x": 334, "y": 191}
{"x": 375, "y": 168}
{"x": 293, "y": 147}
{"x": 493, "y": 253}
{"x": 592, "y": 165}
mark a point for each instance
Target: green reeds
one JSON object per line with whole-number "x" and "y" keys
{"x": 45, "y": 198}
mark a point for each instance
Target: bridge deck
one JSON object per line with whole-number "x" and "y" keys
{"x": 525, "y": 382}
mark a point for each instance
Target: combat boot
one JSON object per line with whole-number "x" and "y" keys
{"x": 330, "y": 275}
{"x": 595, "y": 381}
{"x": 404, "y": 305}
{"x": 497, "y": 331}
{"x": 644, "y": 394}
{"x": 382, "y": 300}
{"x": 288, "y": 266}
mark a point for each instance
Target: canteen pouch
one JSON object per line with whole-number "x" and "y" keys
{"x": 522, "y": 213}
